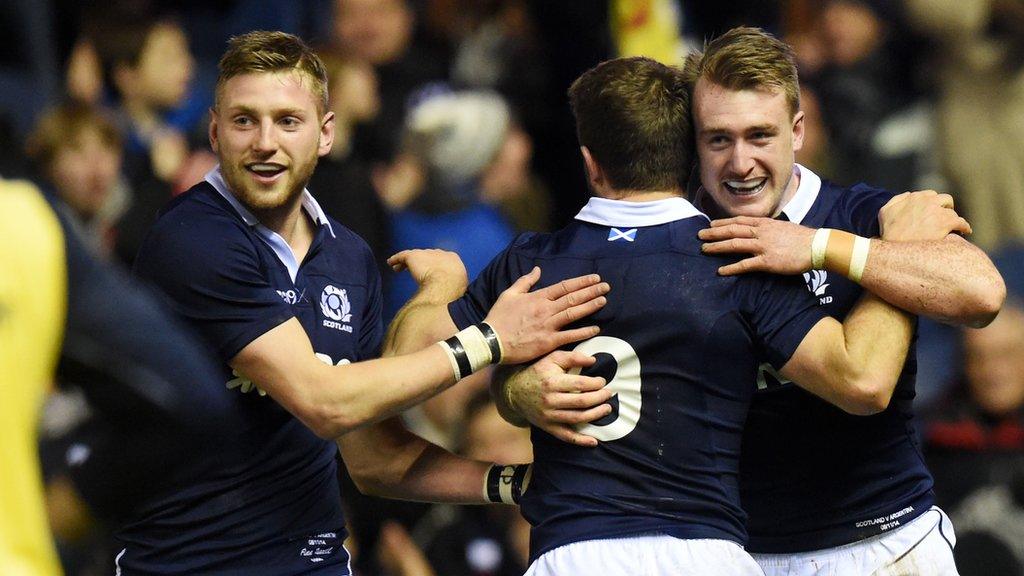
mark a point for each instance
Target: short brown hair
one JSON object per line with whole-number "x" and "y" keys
{"x": 746, "y": 58}
{"x": 633, "y": 114}
{"x": 60, "y": 128}
{"x": 263, "y": 51}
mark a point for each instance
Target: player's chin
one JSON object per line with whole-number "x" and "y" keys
{"x": 756, "y": 206}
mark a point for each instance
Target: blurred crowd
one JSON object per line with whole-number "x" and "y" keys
{"x": 453, "y": 131}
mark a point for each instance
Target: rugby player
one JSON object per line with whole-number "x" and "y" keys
{"x": 290, "y": 300}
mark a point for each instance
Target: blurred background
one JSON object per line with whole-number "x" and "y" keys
{"x": 454, "y": 132}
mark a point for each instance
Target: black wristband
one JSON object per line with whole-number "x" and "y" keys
{"x": 491, "y": 337}
{"x": 505, "y": 484}
{"x": 461, "y": 358}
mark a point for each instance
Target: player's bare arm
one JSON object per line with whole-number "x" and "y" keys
{"x": 440, "y": 277}
{"x": 424, "y": 319}
{"x": 387, "y": 460}
{"x": 921, "y": 263}
{"x": 334, "y": 400}
{"x": 854, "y": 364}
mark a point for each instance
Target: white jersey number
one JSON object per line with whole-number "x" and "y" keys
{"x": 625, "y": 384}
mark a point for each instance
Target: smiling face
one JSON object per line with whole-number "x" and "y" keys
{"x": 268, "y": 132}
{"x": 746, "y": 142}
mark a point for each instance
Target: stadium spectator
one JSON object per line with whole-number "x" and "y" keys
{"x": 865, "y": 86}
{"x": 975, "y": 443}
{"x": 77, "y": 152}
{"x": 980, "y": 50}
{"x": 452, "y": 144}
{"x": 149, "y": 67}
{"x": 342, "y": 179}
{"x": 382, "y": 33}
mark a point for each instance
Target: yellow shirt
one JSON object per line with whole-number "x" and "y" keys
{"x": 648, "y": 28}
{"x": 33, "y": 281}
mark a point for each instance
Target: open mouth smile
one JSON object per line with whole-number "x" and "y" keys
{"x": 265, "y": 172}
{"x": 745, "y": 187}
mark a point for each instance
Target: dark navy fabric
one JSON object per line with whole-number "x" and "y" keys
{"x": 813, "y": 476}
{"x": 679, "y": 338}
{"x": 263, "y": 499}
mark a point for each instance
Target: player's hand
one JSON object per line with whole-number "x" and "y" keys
{"x": 922, "y": 215}
{"x": 432, "y": 266}
{"x": 774, "y": 246}
{"x": 550, "y": 398}
{"x": 529, "y": 323}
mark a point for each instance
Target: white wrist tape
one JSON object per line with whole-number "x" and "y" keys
{"x": 818, "y": 246}
{"x": 471, "y": 349}
{"x": 859, "y": 258}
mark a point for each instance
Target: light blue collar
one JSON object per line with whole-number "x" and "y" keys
{"x": 273, "y": 239}
{"x": 620, "y": 213}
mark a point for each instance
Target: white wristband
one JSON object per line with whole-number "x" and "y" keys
{"x": 469, "y": 350}
{"x": 859, "y": 258}
{"x": 818, "y": 246}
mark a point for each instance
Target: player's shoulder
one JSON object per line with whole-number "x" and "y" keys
{"x": 857, "y": 193}
{"x": 534, "y": 244}
{"x": 346, "y": 236}
{"x": 198, "y": 222}
{"x": 855, "y": 206}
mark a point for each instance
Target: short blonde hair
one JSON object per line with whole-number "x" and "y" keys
{"x": 263, "y": 51}
{"x": 746, "y": 58}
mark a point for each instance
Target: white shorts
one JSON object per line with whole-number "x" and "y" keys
{"x": 647, "y": 555}
{"x": 922, "y": 548}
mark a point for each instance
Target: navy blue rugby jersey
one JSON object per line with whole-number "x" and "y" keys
{"x": 680, "y": 345}
{"x": 813, "y": 476}
{"x": 263, "y": 499}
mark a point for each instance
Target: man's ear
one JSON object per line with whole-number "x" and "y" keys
{"x": 212, "y": 132}
{"x": 326, "y": 134}
{"x": 595, "y": 174}
{"x": 798, "y": 131}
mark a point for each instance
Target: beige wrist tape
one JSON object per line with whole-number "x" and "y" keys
{"x": 472, "y": 349}
{"x": 840, "y": 251}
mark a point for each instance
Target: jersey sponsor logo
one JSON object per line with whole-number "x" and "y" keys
{"x": 816, "y": 283}
{"x": 288, "y": 296}
{"x": 335, "y": 305}
{"x": 627, "y": 235}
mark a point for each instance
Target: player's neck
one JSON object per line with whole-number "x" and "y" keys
{"x": 789, "y": 192}
{"x": 290, "y": 223}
